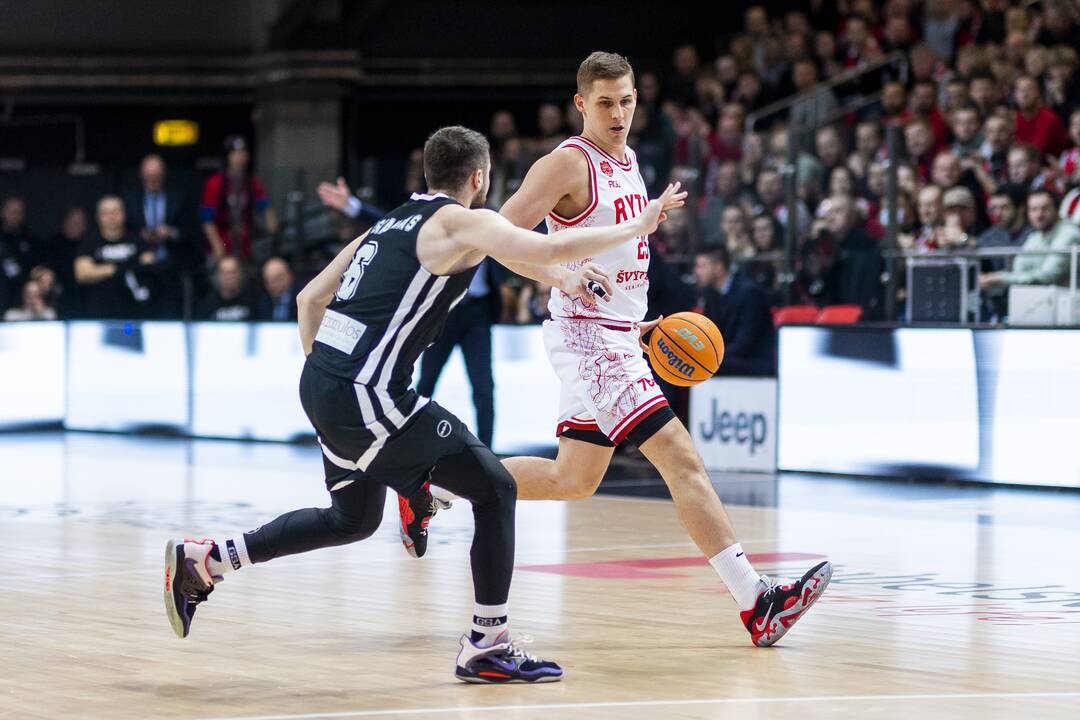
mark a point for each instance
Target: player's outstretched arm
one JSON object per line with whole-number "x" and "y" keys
{"x": 494, "y": 235}
{"x": 549, "y": 180}
{"x": 311, "y": 302}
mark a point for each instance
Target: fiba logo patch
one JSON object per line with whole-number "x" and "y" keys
{"x": 605, "y": 167}
{"x": 443, "y": 429}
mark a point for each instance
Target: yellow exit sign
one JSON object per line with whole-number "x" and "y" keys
{"x": 173, "y": 133}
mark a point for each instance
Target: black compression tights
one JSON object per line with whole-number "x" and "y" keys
{"x": 356, "y": 511}
{"x": 477, "y": 475}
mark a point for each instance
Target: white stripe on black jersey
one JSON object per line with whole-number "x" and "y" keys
{"x": 387, "y": 310}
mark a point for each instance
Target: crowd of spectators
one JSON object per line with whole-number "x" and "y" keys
{"x": 985, "y": 99}
{"x": 131, "y": 258}
{"x": 986, "y": 106}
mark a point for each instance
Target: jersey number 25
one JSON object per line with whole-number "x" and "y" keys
{"x": 350, "y": 279}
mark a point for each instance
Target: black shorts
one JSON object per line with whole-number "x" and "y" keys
{"x": 354, "y": 447}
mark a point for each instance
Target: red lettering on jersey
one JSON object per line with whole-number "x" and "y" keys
{"x": 646, "y": 383}
{"x": 620, "y": 211}
{"x": 643, "y": 249}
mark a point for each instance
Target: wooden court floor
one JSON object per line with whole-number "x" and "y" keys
{"x": 946, "y": 602}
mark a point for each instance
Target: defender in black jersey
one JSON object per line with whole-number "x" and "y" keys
{"x": 364, "y": 321}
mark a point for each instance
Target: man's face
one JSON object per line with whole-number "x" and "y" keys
{"x": 608, "y": 108}
{"x": 686, "y": 60}
{"x": 276, "y": 277}
{"x": 549, "y": 119}
{"x": 1074, "y": 127}
{"x": 110, "y": 217}
{"x": 956, "y": 94}
{"x": 650, "y": 87}
{"x": 45, "y": 279}
{"x": 704, "y": 271}
{"x": 946, "y": 170}
{"x": 893, "y": 98}
{"x": 502, "y": 125}
{"x": 898, "y": 30}
{"x": 1041, "y": 212}
{"x": 229, "y": 277}
{"x": 1026, "y": 93}
{"x": 922, "y": 98}
{"x": 152, "y": 173}
{"x": 31, "y": 295}
{"x": 965, "y": 125}
{"x": 918, "y": 139}
{"x": 867, "y": 140}
{"x": 770, "y": 188}
{"x": 75, "y": 225}
{"x": 804, "y": 75}
{"x": 727, "y": 179}
{"x": 982, "y": 92}
{"x": 13, "y": 213}
{"x": 756, "y": 21}
{"x": 764, "y": 234}
{"x": 929, "y": 205}
{"x": 732, "y": 223}
{"x": 998, "y": 134}
{"x": 875, "y": 179}
{"x": 1001, "y": 210}
{"x": 962, "y": 215}
{"x": 829, "y": 148}
{"x": 1020, "y": 167}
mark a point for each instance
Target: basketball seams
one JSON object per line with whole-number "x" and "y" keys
{"x": 688, "y": 359}
{"x": 689, "y": 351}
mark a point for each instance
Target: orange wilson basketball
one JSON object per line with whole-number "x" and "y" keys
{"x": 686, "y": 348}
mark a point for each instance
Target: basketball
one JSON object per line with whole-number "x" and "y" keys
{"x": 686, "y": 348}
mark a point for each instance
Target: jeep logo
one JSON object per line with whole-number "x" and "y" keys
{"x": 740, "y": 427}
{"x": 674, "y": 361}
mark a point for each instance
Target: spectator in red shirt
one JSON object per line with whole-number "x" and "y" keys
{"x": 1036, "y": 124}
{"x": 919, "y": 141}
{"x": 924, "y": 104}
{"x": 231, "y": 201}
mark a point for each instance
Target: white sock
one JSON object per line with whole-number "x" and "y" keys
{"x": 488, "y": 623}
{"x": 443, "y": 494}
{"x": 231, "y": 554}
{"x": 742, "y": 581}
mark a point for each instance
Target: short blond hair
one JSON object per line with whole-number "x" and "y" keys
{"x": 602, "y": 66}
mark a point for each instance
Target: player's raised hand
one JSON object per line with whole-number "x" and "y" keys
{"x": 656, "y": 211}
{"x": 335, "y": 196}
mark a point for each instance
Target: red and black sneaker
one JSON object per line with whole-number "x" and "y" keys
{"x": 416, "y": 512}
{"x": 779, "y": 606}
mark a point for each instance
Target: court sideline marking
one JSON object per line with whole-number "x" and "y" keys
{"x": 655, "y": 703}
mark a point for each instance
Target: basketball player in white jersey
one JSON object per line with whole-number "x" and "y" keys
{"x": 608, "y": 391}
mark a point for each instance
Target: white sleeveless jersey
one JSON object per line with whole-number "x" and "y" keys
{"x": 618, "y": 195}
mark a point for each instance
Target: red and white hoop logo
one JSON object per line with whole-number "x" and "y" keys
{"x": 605, "y": 167}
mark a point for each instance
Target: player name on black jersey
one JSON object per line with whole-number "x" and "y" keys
{"x": 387, "y": 310}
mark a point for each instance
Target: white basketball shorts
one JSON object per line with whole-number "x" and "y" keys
{"x": 607, "y": 385}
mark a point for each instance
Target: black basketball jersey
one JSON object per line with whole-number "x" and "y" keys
{"x": 387, "y": 310}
